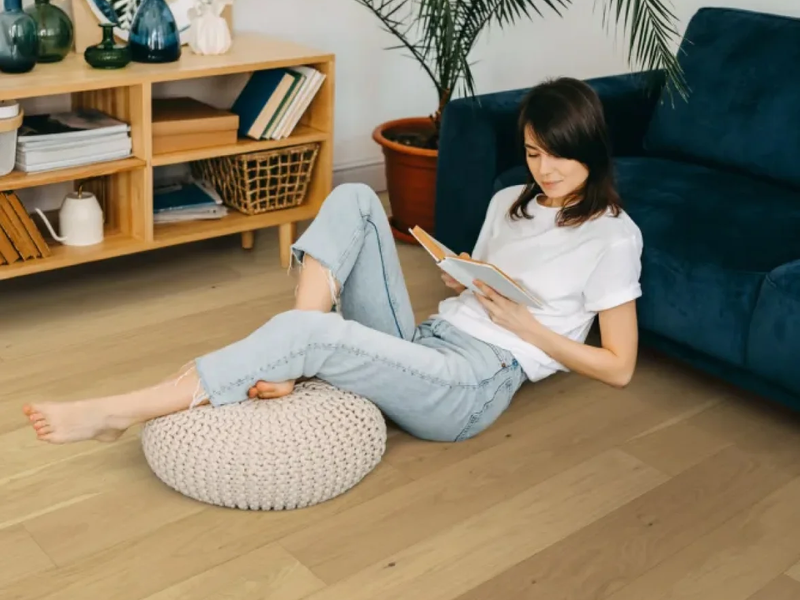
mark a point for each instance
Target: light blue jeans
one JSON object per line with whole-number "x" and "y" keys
{"x": 433, "y": 380}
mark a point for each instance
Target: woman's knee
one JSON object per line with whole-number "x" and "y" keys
{"x": 358, "y": 196}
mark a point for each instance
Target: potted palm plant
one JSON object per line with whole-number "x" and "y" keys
{"x": 440, "y": 36}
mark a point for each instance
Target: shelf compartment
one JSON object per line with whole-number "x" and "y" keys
{"x": 168, "y": 234}
{"x": 17, "y": 180}
{"x": 303, "y": 134}
{"x": 114, "y": 245}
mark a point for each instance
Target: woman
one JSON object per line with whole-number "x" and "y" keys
{"x": 563, "y": 236}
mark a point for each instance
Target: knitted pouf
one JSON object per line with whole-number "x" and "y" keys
{"x": 300, "y": 450}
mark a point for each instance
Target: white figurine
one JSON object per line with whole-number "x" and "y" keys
{"x": 209, "y": 33}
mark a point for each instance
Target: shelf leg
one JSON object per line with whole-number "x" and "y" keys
{"x": 286, "y": 237}
{"x": 248, "y": 239}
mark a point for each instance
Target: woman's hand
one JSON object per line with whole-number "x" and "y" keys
{"x": 504, "y": 312}
{"x": 613, "y": 363}
{"x": 452, "y": 283}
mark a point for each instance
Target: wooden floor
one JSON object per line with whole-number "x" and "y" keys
{"x": 677, "y": 487}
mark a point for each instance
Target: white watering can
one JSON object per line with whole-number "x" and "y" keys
{"x": 80, "y": 220}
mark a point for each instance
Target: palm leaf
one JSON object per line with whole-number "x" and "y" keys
{"x": 651, "y": 33}
{"x": 387, "y": 12}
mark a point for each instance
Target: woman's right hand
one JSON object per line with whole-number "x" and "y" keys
{"x": 452, "y": 283}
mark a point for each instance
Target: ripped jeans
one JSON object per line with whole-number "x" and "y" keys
{"x": 432, "y": 380}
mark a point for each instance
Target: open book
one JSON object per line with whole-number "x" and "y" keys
{"x": 467, "y": 270}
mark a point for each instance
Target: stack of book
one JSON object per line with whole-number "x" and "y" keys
{"x": 184, "y": 123}
{"x": 187, "y": 200}
{"x": 70, "y": 139}
{"x": 273, "y": 100}
{"x": 20, "y": 239}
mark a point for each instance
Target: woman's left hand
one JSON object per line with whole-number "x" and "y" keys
{"x": 504, "y": 312}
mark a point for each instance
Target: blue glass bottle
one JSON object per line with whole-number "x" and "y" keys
{"x": 154, "y": 36}
{"x": 19, "y": 42}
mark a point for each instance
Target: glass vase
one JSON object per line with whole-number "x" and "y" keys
{"x": 107, "y": 54}
{"x": 54, "y": 29}
{"x": 19, "y": 42}
{"x": 154, "y": 36}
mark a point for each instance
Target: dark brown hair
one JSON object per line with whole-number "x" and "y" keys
{"x": 565, "y": 116}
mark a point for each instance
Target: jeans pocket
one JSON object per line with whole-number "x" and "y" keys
{"x": 495, "y": 397}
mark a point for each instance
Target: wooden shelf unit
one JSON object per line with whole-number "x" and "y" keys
{"x": 127, "y": 185}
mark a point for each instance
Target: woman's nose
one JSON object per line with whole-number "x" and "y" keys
{"x": 545, "y": 165}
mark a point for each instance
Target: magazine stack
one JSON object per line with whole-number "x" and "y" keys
{"x": 70, "y": 139}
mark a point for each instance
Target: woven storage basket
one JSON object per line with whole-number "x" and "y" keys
{"x": 259, "y": 182}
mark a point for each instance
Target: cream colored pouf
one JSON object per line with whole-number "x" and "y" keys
{"x": 294, "y": 452}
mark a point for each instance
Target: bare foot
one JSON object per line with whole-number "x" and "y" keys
{"x": 269, "y": 391}
{"x": 65, "y": 422}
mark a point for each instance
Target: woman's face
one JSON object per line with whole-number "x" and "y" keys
{"x": 557, "y": 177}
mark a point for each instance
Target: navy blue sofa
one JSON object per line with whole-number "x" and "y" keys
{"x": 713, "y": 183}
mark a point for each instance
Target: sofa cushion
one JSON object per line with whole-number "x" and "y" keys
{"x": 743, "y": 111}
{"x": 710, "y": 238}
{"x": 774, "y": 347}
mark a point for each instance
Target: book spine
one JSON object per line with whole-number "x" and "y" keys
{"x": 15, "y": 231}
{"x": 7, "y": 250}
{"x": 33, "y": 231}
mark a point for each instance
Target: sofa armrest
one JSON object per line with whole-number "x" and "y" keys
{"x": 773, "y": 343}
{"x": 479, "y": 141}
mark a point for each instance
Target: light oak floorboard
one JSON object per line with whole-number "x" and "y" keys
{"x": 781, "y": 588}
{"x": 677, "y": 487}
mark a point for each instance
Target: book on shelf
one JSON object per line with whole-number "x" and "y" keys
{"x": 273, "y": 101}
{"x": 20, "y": 239}
{"x": 186, "y": 200}
{"x": 70, "y": 139}
{"x": 467, "y": 270}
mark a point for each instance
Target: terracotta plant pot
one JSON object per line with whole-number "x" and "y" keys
{"x": 410, "y": 177}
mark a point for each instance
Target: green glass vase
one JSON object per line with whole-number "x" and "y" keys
{"x": 54, "y": 29}
{"x": 108, "y": 54}
{"x": 18, "y": 40}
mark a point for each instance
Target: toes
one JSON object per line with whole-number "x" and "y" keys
{"x": 44, "y": 431}
{"x": 39, "y": 425}
{"x": 27, "y": 410}
{"x": 263, "y": 386}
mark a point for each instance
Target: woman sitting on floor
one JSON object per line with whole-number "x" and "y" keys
{"x": 563, "y": 236}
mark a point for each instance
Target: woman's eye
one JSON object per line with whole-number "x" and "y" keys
{"x": 533, "y": 155}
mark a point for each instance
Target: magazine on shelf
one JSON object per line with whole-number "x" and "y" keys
{"x": 70, "y": 139}
{"x": 186, "y": 200}
{"x": 61, "y": 127}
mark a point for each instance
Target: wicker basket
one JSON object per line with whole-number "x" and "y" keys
{"x": 260, "y": 182}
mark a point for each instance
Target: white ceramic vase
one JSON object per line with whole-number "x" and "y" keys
{"x": 209, "y": 33}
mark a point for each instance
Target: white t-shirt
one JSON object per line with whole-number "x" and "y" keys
{"x": 575, "y": 271}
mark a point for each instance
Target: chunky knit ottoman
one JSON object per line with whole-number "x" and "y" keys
{"x": 293, "y": 452}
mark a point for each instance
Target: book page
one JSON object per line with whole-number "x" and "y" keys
{"x": 466, "y": 271}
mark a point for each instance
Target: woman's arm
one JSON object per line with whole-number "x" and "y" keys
{"x": 613, "y": 363}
